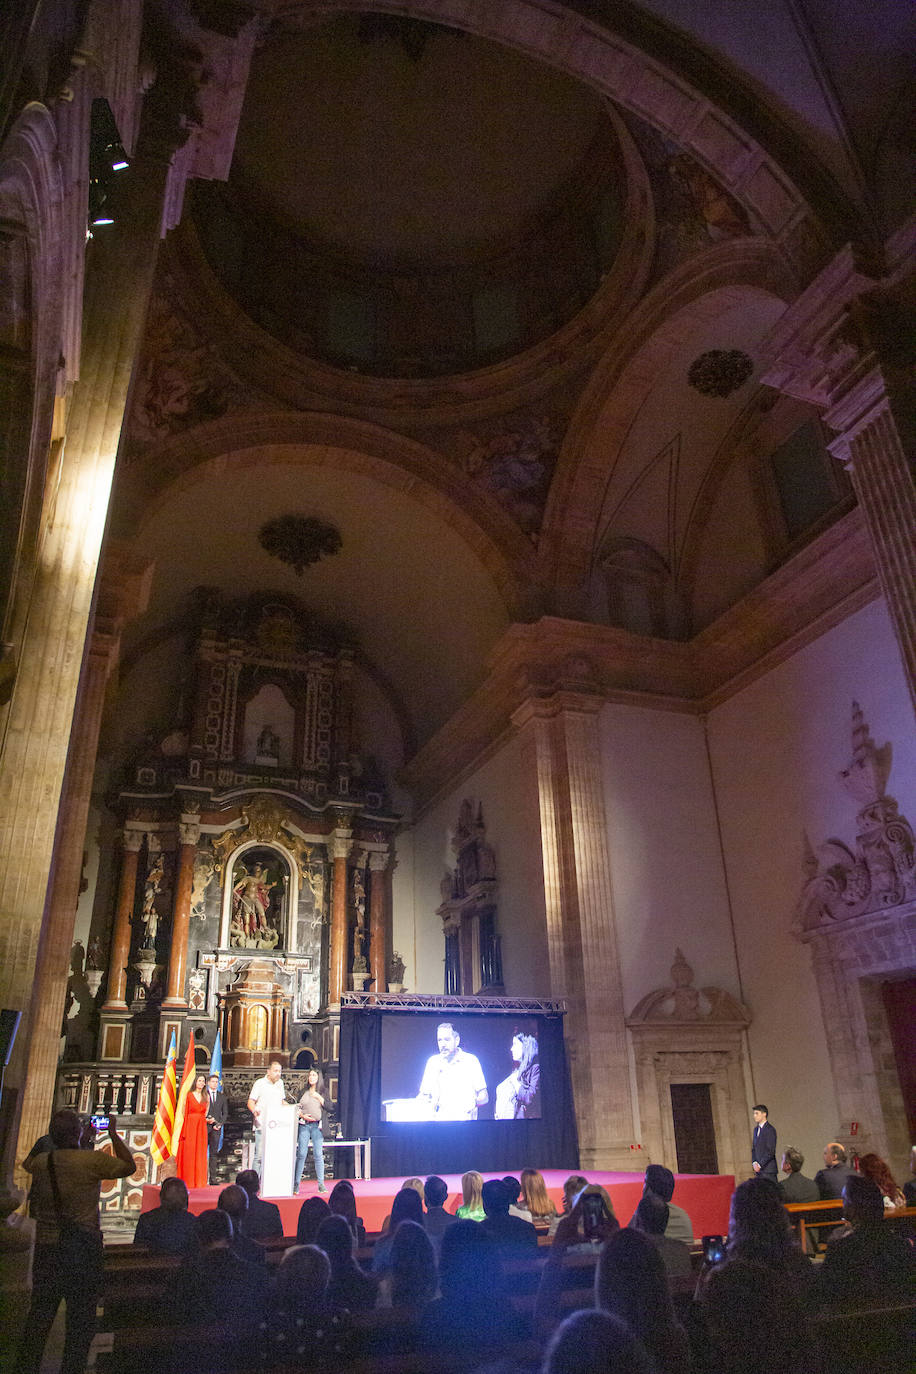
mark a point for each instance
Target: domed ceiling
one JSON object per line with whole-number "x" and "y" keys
{"x": 409, "y": 200}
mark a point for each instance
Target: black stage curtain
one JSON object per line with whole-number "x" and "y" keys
{"x": 404, "y": 1148}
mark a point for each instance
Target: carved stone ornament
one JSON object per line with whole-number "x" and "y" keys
{"x": 299, "y": 540}
{"x": 880, "y": 870}
{"x": 719, "y": 372}
{"x": 684, "y": 1004}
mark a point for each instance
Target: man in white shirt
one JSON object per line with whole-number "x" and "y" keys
{"x": 453, "y": 1081}
{"x": 266, "y": 1092}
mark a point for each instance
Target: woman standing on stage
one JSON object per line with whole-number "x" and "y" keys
{"x": 311, "y": 1105}
{"x": 191, "y": 1160}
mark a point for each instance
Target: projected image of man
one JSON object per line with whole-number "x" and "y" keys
{"x": 453, "y": 1081}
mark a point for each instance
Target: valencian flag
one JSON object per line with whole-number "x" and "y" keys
{"x": 161, "y": 1144}
{"x": 188, "y": 1074}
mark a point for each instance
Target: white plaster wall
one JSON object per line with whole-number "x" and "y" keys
{"x": 666, "y": 862}
{"x": 776, "y": 750}
{"x": 506, "y": 786}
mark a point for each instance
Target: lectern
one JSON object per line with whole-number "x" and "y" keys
{"x": 281, "y": 1131}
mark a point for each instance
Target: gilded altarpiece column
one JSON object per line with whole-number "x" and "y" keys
{"x": 378, "y": 922}
{"x": 340, "y": 846}
{"x": 581, "y": 934}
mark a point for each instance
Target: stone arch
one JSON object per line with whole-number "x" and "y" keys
{"x": 32, "y": 260}
{"x": 720, "y": 277}
{"x": 628, "y": 71}
{"x": 315, "y": 439}
{"x": 638, "y": 588}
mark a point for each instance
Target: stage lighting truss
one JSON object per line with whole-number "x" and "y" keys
{"x": 423, "y": 1001}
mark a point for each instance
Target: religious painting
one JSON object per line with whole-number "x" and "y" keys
{"x": 260, "y": 897}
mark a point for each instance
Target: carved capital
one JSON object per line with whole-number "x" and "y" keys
{"x": 378, "y": 860}
{"x": 341, "y": 844}
{"x": 132, "y": 840}
{"x": 189, "y": 831}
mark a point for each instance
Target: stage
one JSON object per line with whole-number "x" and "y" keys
{"x": 705, "y": 1197}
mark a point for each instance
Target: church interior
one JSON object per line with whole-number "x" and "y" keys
{"x": 458, "y": 540}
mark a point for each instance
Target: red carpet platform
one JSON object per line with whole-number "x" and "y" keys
{"x": 705, "y": 1197}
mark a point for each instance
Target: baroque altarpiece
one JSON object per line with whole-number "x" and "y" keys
{"x": 253, "y": 886}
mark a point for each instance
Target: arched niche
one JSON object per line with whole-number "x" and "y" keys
{"x": 250, "y": 906}
{"x": 269, "y": 728}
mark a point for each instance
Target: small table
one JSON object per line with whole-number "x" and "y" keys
{"x": 362, "y": 1154}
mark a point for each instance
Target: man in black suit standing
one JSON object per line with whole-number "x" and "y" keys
{"x": 217, "y": 1114}
{"x": 763, "y": 1145}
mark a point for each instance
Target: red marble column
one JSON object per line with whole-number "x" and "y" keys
{"x": 378, "y": 923}
{"x": 120, "y": 935}
{"x": 189, "y": 834}
{"x": 340, "y": 849}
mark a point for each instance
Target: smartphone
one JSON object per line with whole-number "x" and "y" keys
{"x": 99, "y": 1123}
{"x": 713, "y": 1249}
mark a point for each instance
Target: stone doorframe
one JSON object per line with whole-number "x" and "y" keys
{"x": 850, "y": 960}
{"x": 683, "y": 1034}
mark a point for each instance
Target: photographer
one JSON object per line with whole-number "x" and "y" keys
{"x": 68, "y": 1247}
{"x": 586, "y": 1227}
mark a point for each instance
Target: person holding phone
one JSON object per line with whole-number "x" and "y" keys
{"x": 588, "y": 1224}
{"x": 68, "y": 1267}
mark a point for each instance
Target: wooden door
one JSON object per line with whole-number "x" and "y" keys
{"x": 694, "y": 1128}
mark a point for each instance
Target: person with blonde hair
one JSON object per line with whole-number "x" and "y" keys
{"x": 534, "y": 1196}
{"x": 471, "y": 1208}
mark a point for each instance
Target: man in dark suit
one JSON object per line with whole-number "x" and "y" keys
{"x": 169, "y": 1229}
{"x": 511, "y": 1234}
{"x": 262, "y": 1220}
{"x": 217, "y": 1114}
{"x": 763, "y": 1144}
{"x": 831, "y": 1180}
{"x": 795, "y": 1187}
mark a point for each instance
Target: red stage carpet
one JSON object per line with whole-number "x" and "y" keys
{"x": 705, "y": 1197}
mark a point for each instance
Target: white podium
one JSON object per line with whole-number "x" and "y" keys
{"x": 280, "y": 1125}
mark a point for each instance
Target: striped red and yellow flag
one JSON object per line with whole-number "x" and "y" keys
{"x": 188, "y": 1074}
{"x": 161, "y": 1144}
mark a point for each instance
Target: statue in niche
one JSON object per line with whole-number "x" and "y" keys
{"x": 150, "y": 916}
{"x": 359, "y": 930}
{"x": 267, "y": 749}
{"x": 251, "y": 926}
{"x": 204, "y": 868}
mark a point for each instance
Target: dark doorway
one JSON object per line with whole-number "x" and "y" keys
{"x": 900, "y": 1007}
{"x": 694, "y": 1131}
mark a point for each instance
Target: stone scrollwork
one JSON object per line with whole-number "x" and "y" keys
{"x": 879, "y": 871}
{"x": 682, "y": 1002}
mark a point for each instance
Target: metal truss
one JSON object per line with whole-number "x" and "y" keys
{"x": 428, "y": 1001}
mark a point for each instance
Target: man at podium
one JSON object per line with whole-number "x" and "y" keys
{"x": 267, "y": 1093}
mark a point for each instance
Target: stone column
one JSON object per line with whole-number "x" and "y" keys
{"x": 378, "y": 921}
{"x": 843, "y": 346}
{"x": 188, "y": 834}
{"x": 581, "y": 932}
{"x": 120, "y": 935}
{"x": 341, "y": 843}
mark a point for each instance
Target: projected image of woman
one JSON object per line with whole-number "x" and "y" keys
{"x": 518, "y": 1096}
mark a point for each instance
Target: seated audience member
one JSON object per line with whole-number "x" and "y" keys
{"x": 474, "y": 1311}
{"x": 595, "y": 1343}
{"x": 795, "y": 1187}
{"x": 301, "y": 1284}
{"x": 342, "y": 1202}
{"x": 571, "y": 1190}
{"x": 417, "y": 1185}
{"x": 262, "y": 1220}
{"x": 534, "y": 1197}
{"x": 631, "y": 1284}
{"x": 873, "y": 1167}
{"x": 590, "y": 1223}
{"x": 755, "y": 1321}
{"x": 233, "y": 1200}
{"x": 412, "y": 1279}
{"x": 406, "y": 1207}
{"x": 311, "y": 1214}
{"x": 831, "y": 1180}
{"x": 651, "y": 1219}
{"x": 759, "y": 1231}
{"x": 436, "y": 1220}
{"x": 660, "y": 1181}
{"x": 168, "y": 1229}
{"x": 350, "y": 1289}
{"x": 471, "y": 1206}
{"x": 909, "y": 1188}
{"x": 874, "y": 1261}
{"x": 228, "y": 1290}
{"x": 511, "y": 1234}
{"x": 513, "y": 1187}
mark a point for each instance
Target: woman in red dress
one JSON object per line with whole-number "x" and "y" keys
{"x": 192, "y": 1147}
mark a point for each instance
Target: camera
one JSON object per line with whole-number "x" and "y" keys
{"x": 99, "y": 1123}
{"x": 713, "y": 1249}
